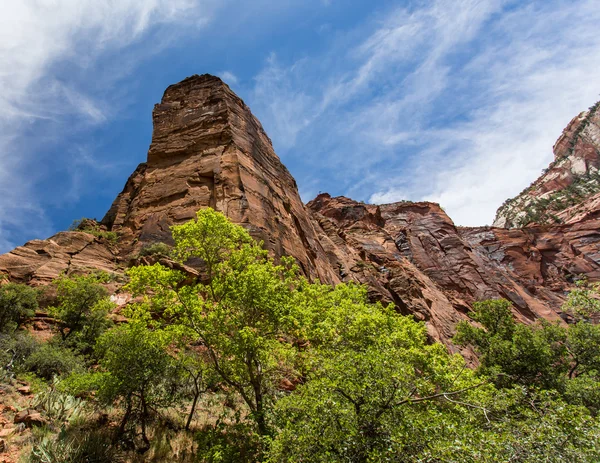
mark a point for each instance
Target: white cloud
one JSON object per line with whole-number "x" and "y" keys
{"x": 531, "y": 85}
{"x": 286, "y": 108}
{"x": 458, "y": 102}
{"x": 229, "y": 77}
{"x": 41, "y": 41}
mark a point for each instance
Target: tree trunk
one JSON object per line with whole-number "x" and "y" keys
{"x": 125, "y": 419}
{"x": 143, "y": 423}
{"x": 196, "y": 395}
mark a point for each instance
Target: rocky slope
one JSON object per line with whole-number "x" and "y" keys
{"x": 561, "y": 194}
{"x": 209, "y": 150}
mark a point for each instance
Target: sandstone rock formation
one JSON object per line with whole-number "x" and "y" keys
{"x": 560, "y": 195}
{"x": 411, "y": 254}
{"x": 209, "y": 150}
{"x": 38, "y": 262}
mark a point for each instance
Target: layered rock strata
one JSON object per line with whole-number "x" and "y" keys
{"x": 209, "y": 150}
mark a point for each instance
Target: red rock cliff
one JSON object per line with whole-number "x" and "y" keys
{"x": 209, "y": 150}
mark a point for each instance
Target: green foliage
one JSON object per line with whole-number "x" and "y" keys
{"x": 543, "y": 210}
{"x": 160, "y": 249}
{"x": 243, "y": 315}
{"x": 18, "y": 303}
{"x": 83, "y": 306}
{"x": 229, "y": 443}
{"x": 50, "y": 360}
{"x": 543, "y": 355}
{"x": 80, "y": 383}
{"x": 584, "y": 301}
{"x": 521, "y": 426}
{"x": 21, "y": 353}
{"x": 369, "y": 387}
{"x": 110, "y": 236}
{"x": 15, "y": 348}
{"x": 137, "y": 371}
{"x": 374, "y": 390}
{"x": 93, "y": 228}
{"x": 211, "y": 238}
{"x": 528, "y": 355}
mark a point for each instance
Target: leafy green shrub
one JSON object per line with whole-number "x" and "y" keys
{"x": 50, "y": 360}
{"x": 82, "y": 310}
{"x": 15, "y": 348}
{"x": 18, "y": 303}
{"x": 93, "y": 228}
{"x": 584, "y": 301}
{"x": 110, "y": 236}
{"x": 80, "y": 383}
{"x": 231, "y": 443}
{"x": 160, "y": 249}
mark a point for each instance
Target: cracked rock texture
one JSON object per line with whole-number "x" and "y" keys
{"x": 209, "y": 150}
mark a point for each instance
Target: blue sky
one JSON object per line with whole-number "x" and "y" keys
{"x": 453, "y": 101}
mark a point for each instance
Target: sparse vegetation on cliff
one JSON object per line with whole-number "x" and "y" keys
{"x": 93, "y": 228}
{"x": 543, "y": 210}
{"x": 522, "y": 210}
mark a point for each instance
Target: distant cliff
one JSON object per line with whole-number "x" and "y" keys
{"x": 569, "y": 187}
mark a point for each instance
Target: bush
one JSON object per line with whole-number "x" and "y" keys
{"x": 50, "y": 360}
{"x": 83, "y": 306}
{"x": 160, "y": 249}
{"x": 91, "y": 447}
{"x": 18, "y": 303}
{"x": 231, "y": 443}
{"x": 15, "y": 348}
{"x": 93, "y": 228}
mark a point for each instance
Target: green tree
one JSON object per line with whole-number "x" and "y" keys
{"x": 18, "y": 303}
{"x": 83, "y": 306}
{"x": 136, "y": 371}
{"x": 240, "y": 311}
{"x": 530, "y": 355}
{"x": 375, "y": 389}
{"x": 543, "y": 355}
{"x": 520, "y": 425}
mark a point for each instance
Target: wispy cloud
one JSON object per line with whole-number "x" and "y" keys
{"x": 229, "y": 77}
{"x": 47, "y": 49}
{"x": 458, "y": 102}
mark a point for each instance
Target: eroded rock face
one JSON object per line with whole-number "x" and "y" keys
{"x": 561, "y": 194}
{"x": 38, "y": 262}
{"x": 412, "y": 255}
{"x": 209, "y": 150}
